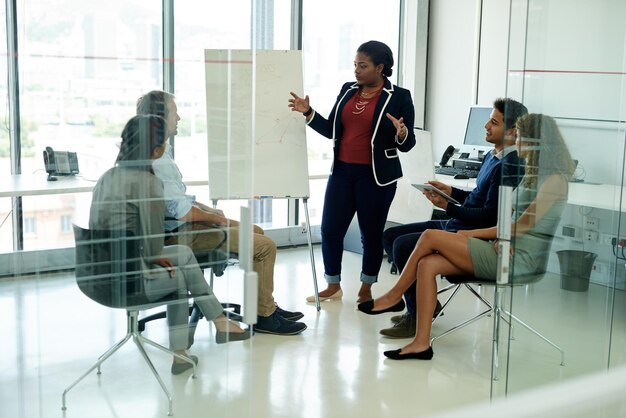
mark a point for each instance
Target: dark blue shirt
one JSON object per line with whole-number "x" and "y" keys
{"x": 479, "y": 208}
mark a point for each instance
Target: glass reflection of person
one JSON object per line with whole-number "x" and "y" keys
{"x": 203, "y": 228}
{"x": 478, "y": 208}
{"x": 539, "y": 202}
{"x": 370, "y": 123}
{"x": 130, "y": 197}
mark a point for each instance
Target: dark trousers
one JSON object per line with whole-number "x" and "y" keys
{"x": 399, "y": 243}
{"x": 352, "y": 189}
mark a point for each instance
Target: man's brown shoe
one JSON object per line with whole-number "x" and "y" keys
{"x": 397, "y": 318}
{"x": 405, "y": 328}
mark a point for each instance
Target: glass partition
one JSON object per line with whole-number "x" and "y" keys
{"x": 231, "y": 28}
{"x": 566, "y": 279}
{"x": 83, "y": 66}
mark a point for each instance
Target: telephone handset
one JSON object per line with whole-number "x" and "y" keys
{"x": 447, "y": 154}
{"x": 60, "y": 163}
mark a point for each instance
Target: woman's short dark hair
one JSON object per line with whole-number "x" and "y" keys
{"x": 379, "y": 53}
{"x": 140, "y": 137}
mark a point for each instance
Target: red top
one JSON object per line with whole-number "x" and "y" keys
{"x": 357, "y": 119}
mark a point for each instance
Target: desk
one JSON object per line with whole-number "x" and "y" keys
{"x": 463, "y": 184}
{"x": 36, "y": 185}
{"x": 19, "y": 185}
{"x": 599, "y": 196}
{"x": 31, "y": 185}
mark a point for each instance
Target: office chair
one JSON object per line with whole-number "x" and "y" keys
{"x": 109, "y": 271}
{"x": 465, "y": 281}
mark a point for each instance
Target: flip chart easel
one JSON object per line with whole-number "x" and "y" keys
{"x": 257, "y": 145}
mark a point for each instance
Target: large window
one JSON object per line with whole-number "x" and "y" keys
{"x": 82, "y": 67}
{"x": 6, "y": 225}
{"x": 199, "y": 26}
{"x": 328, "y": 63}
{"x": 226, "y": 25}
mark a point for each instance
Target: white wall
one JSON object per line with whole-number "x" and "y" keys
{"x": 469, "y": 60}
{"x": 409, "y": 205}
{"x": 451, "y": 70}
{"x": 494, "y": 52}
{"x": 586, "y": 37}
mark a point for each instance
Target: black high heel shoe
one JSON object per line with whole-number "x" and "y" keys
{"x": 368, "y": 306}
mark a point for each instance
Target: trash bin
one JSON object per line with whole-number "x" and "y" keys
{"x": 575, "y": 269}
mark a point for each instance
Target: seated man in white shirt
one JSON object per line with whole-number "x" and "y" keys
{"x": 203, "y": 228}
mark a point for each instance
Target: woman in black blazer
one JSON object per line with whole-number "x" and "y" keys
{"x": 371, "y": 121}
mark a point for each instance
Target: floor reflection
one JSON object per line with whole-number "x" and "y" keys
{"x": 51, "y": 333}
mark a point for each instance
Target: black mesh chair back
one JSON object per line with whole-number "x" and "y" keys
{"x": 109, "y": 267}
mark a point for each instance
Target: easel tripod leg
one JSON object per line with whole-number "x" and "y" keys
{"x": 310, "y": 241}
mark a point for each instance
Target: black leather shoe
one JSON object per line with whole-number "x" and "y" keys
{"x": 292, "y": 316}
{"x": 368, "y": 306}
{"x": 277, "y": 325}
{"x": 422, "y": 355}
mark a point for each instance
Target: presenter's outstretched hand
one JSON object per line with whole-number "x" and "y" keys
{"x": 298, "y": 104}
{"x": 401, "y": 129}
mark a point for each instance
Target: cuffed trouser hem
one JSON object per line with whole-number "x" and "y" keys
{"x": 335, "y": 279}
{"x": 177, "y": 318}
{"x": 368, "y": 279}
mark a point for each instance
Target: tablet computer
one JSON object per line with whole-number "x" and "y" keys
{"x": 431, "y": 188}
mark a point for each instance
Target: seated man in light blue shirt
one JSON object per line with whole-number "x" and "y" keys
{"x": 180, "y": 204}
{"x": 203, "y": 228}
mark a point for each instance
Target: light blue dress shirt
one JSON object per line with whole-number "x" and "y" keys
{"x": 177, "y": 202}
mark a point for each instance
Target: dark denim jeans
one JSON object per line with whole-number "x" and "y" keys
{"x": 399, "y": 243}
{"x": 352, "y": 189}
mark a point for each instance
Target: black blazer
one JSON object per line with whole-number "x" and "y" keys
{"x": 385, "y": 144}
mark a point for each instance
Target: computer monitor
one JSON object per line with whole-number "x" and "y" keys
{"x": 474, "y": 139}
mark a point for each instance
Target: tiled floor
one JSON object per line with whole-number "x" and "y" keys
{"x": 50, "y": 333}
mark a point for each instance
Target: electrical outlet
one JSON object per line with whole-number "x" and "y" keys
{"x": 592, "y": 223}
{"x": 619, "y": 243}
{"x": 303, "y": 229}
{"x": 608, "y": 239}
{"x": 598, "y": 268}
{"x": 590, "y": 235}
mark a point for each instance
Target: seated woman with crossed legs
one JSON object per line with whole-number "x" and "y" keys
{"x": 541, "y": 197}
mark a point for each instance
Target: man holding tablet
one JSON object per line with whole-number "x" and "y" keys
{"x": 477, "y": 209}
{"x": 429, "y": 189}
